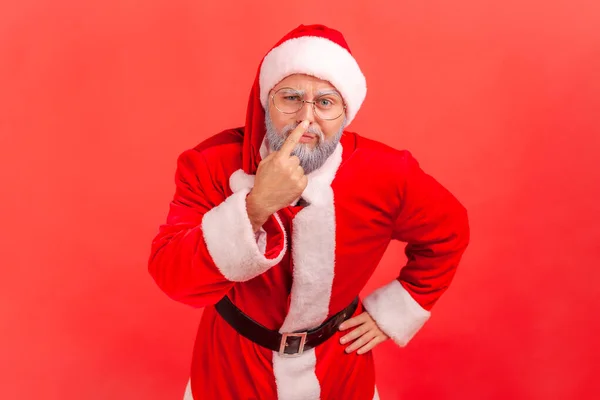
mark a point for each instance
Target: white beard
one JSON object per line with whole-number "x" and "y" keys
{"x": 310, "y": 159}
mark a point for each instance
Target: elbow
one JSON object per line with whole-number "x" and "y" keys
{"x": 161, "y": 273}
{"x": 162, "y": 270}
{"x": 179, "y": 282}
{"x": 158, "y": 270}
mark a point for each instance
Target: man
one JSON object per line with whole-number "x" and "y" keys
{"x": 277, "y": 226}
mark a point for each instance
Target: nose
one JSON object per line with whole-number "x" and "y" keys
{"x": 306, "y": 113}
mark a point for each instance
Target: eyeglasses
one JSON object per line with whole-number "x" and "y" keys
{"x": 328, "y": 106}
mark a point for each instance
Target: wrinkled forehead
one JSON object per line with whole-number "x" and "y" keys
{"x": 305, "y": 84}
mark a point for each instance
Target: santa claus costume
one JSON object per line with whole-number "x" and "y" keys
{"x": 314, "y": 259}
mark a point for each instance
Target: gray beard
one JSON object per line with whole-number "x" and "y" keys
{"x": 310, "y": 159}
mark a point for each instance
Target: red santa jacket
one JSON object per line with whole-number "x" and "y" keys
{"x": 316, "y": 259}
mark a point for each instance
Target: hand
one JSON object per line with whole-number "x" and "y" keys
{"x": 366, "y": 336}
{"x": 279, "y": 181}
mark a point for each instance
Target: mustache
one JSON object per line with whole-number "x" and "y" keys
{"x": 311, "y": 129}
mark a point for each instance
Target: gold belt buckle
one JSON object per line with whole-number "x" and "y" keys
{"x": 283, "y": 345}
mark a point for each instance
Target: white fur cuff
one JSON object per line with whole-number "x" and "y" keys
{"x": 396, "y": 312}
{"x": 232, "y": 242}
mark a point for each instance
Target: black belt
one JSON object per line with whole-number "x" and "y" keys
{"x": 286, "y": 344}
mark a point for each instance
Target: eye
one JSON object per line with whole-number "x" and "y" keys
{"x": 325, "y": 103}
{"x": 291, "y": 98}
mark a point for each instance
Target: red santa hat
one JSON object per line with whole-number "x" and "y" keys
{"x": 318, "y": 51}
{"x": 314, "y": 50}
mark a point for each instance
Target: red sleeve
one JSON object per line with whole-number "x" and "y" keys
{"x": 435, "y": 227}
{"x": 207, "y": 243}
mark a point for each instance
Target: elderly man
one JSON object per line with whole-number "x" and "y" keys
{"x": 276, "y": 227}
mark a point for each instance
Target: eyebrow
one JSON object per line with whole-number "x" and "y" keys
{"x": 327, "y": 91}
{"x": 318, "y": 94}
{"x": 295, "y": 91}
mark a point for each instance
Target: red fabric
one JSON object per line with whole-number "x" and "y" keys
{"x": 381, "y": 194}
{"x": 432, "y": 249}
{"x": 180, "y": 262}
{"x": 226, "y": 366}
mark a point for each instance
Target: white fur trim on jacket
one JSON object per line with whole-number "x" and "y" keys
{"x": 187, "y": 395}
{"x": 396, "y": 312}
{"x": 318, "y": 57}
{"x": 229, "y": 236}
{"x": 313, "y": 253}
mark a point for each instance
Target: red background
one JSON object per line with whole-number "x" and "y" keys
{"x": 499, "y": 100}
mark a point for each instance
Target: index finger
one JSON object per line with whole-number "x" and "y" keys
{"x": 293, "y": 138}
{"x": 352, "y": 322}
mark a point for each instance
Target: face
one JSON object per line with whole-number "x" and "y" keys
{"x": 322, "y": 135}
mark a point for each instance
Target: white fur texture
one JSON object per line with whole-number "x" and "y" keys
{"x": 396, "y": 312}
{"x": 313, "y": 252}
{"x": 318, "y": 57}
{"x": 375, "y": 396}
{"x": 187, "y": 395}
{"x": 230, "y": 239}
{"x": 296, "y": 378}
